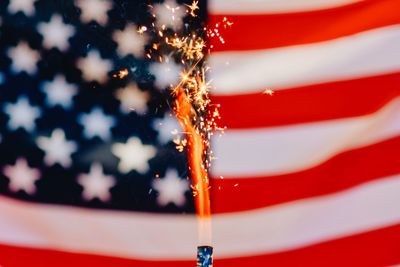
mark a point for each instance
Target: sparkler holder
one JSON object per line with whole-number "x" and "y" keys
{"x": 204, "y": 256}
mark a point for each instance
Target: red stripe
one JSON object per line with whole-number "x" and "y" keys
{"x": 374, "y": 248}
{"x": 308, "y": 104}
{"x": 341, "y": 172}
{"x": 12, "y": 256}
{"x": 263, "y": 31}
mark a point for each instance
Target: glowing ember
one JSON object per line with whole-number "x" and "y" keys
{"x": 193, "y": 7}
{"x": 121, "y": 74}
{"x": 268, "y": 92}
{"x": 214, "y": 32}
{"x": 197, "y": 146}
{"x": 142, "y": 29}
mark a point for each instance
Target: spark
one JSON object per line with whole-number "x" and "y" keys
{"x": 191, "y": 47}
{"x": 180, "y": 144}
{"x": 121, "y": 74}
{"x": 193, "y": 7}
{"x": 269, "y": 92}
{"x": 214, "y": 31}
{"x": 142, "y": 29}
{"x": 226, "y": 23}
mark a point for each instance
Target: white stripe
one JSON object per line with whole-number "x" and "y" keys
{"x": 311, "y": 221}
{"x": 369, "y": 53}
{"x": 227, "y": 7}
{"x": 286, "y": 149}
{"x": 140, "y": 235}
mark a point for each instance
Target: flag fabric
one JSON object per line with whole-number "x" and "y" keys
{"x": 306, "y": 173}
{"x": 308, "y": 168}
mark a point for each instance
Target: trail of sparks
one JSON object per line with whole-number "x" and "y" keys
{"x": 192, "y": 108}
{"x": 192, "y": 105}
{"x": 197, "y": 148}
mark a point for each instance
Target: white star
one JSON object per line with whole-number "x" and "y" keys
{"x": 96, "y": 184}
{"x": 59, "y": 92}
{"x": 130, "y": 42}
{"x": 23, "y": 58}
{"x": 94, "y": 68}
{"x": 168, "y": 128}
{"x": 96, "y": 123}
{"x": 166, "y": 73}
{"x": 171, "y": 189}
{"x": 57, "y": 148}
{"x": 55, "y": 33}
{"x": 133, "y": 155}
{"x": 94, "y": 10}
{"x": 169, "y": 14}
{"x": 25, "y": 6}
{"x": 22, "y": 114}
{"x": 21, "y": 176}
{"x": 132, "y": 99}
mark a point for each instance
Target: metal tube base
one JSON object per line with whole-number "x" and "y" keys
{"x": 204, "y": 256}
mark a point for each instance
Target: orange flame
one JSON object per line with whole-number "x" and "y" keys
{"x": 196, "y": 150}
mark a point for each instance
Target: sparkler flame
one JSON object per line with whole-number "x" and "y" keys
{"x": 193, "y": 109}
{"x": 192, "y": 105}
{"x": 196, "y": 115}
{"x": 197, "y": 149}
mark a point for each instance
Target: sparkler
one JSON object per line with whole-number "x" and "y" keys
{"x": 193, "y": 109}
{"x": 197, "y": 149}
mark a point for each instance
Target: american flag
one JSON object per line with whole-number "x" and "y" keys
{"x": 307, "y": 172}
